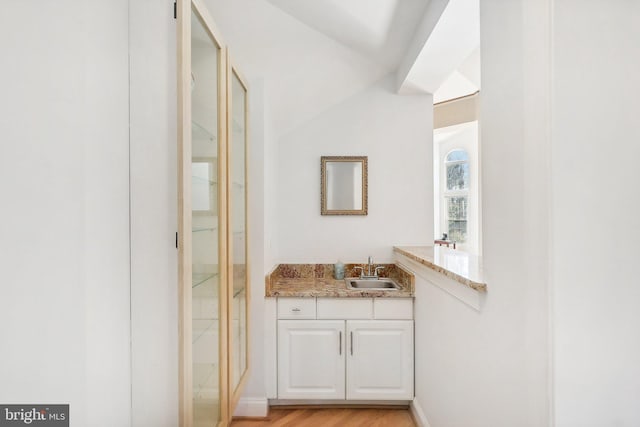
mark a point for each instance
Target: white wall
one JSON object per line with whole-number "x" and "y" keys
{"x": 271, "y": 167}
{"x": 64, "y": 224}
{"x": 469, "y": 364}
{"x": 255, "y": 387}
{"x": 557, "y": 342}
{"x": 489, "y": 367}
{"x": 154, "y": 263}
{"x": 304, "y": 71}
{"x": 596, "y": 227}
{"x": 301, "y": 74}
{"x": 395, "y": 132}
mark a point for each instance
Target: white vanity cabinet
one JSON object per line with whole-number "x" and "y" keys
{"x": 346, "y": 348}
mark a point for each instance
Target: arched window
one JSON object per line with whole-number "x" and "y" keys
{"x": 456, "y": 194}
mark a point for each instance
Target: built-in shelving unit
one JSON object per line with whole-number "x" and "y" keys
{"x": 212, "y": 198}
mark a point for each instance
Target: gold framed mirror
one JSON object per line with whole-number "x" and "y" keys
{"x": 343, "y": 189}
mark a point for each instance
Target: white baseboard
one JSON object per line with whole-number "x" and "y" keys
{"x": 418, "y": 414}
{"x": 252, "y": 407}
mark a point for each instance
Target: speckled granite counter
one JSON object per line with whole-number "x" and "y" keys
{"x": 316, "y": 280}
{"x": 455, "y": 264}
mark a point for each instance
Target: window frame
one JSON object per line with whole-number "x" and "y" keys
{"x": 457, "y": 124}
{"x": 446, "y": 194}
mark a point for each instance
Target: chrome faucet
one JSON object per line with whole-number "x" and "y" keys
{"x": 370, "y": 275}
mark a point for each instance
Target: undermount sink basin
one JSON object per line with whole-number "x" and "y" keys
{"x": 374, "y": 284}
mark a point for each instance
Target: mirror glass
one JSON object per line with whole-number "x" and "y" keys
{"x": 344, "y": 185}
{"x": 344, "y": 191}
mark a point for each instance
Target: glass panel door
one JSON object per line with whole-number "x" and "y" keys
{"x": 205, "y": 59}
{"x": 238, "y": 338}
{"x": 205, "y": 62}
{"x": 202, "y": 236}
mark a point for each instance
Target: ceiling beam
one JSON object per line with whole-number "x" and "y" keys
{"x": 447, "y": 35}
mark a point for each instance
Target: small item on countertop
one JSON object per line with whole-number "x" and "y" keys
{"x": 338, "y": 270}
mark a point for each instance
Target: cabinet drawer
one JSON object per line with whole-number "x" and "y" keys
{"x": 296, "y": 308}
{"x": 393, "y": 308}
{"x": 345, "y": 308}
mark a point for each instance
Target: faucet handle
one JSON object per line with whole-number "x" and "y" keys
{"x": 380, "y": 267}
{"x": 360, "y": 268}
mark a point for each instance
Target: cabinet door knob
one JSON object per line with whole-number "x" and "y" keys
{"x": 295, "y": 310}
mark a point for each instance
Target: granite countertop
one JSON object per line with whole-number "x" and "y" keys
{"x": 316, "y": 280}
{"x": 458, "y": 265}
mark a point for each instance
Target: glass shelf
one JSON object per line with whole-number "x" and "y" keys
{"x": 203, "y": 326}
{"x": 238, "y": 291}
{"x": 199, "y": 132}
{"x": 207, "y": 375}
{"x": 203, "y": 180}
{"x": 199, "y": 278}
{"x": 199, "y": 229}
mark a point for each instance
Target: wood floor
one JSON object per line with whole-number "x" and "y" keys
{"x": 333, "y": 417}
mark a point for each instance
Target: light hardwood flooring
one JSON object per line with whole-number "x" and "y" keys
{"x": 331, "y": 417}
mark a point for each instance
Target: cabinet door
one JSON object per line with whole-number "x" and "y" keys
{"x": 311, "y": 359}
{"x": 202, "y": 229}
{"x": 380, "y": 360}
{"x": 239, "y": 292}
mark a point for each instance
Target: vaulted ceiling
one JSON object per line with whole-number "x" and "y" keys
{"x": 380, "y": 30}
{"x": 314, "y": 54}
